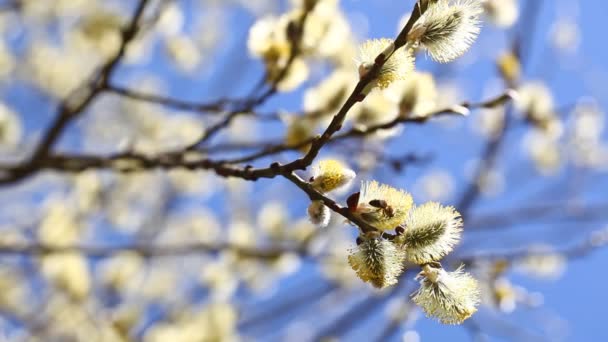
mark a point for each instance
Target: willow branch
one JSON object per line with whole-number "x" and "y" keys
{"x": 216, "y": 106}
{"x": 288, "y": 305}
{"x": 147, "y": 250}
{"x": 594, "y": 242}
{"x": 551, "y": 210}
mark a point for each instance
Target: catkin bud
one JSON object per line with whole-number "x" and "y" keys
{"x": 536, "y": 102}
{"x": 509, "y": 67}
{"x": 417, "y": 96}
{"x": 431, "y": 232}
{"x": 319, "y": 214}
{"x": 382, "y": 206}
{"x": 502, "y": 13}
{"x": 398, "y": 63}
{"x": 377, "y": 261}
{"x": 450, "y": 297}
{"x": 330, "y": 175}
{"x": 448, "y": 28}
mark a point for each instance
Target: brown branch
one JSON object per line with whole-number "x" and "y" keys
{"x": 597, "y": 240}
{"x": 293, "y": 302}
{"x": 148, "y": 250}
{"x": 331, "y": 204}
{"x": 217, "y": 106}
{"x": 552, "y": 210}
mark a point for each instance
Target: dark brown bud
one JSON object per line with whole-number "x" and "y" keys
{"x": 353, "y": 201}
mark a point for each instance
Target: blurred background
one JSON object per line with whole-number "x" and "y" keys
{"x": 109, "y": 233}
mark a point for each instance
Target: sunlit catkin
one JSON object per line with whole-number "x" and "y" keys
{"x": 431, "y": 232}
{"x": 398, "y": 64}
{"x": 382, "y": 206}
{"x": 330, "y": 175}
{"x": 448, "y": 28}
{"x": 502, "y": 13}
{"x": 377, "y": 261}
{"x": 417, "y": 96}
{"x": 450, "y": 297}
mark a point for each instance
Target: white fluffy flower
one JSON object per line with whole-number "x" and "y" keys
{"x": 330, "y": 175}
{"x": 377, "y": 261}
{"x": 267, "y": 38}
{"x": 319, "y": 214}
{"x": 431, "y": 232}
{"x": 503, "y": 13}
{"x": 382, "y": 206}
{"x": 451, "y": 297}
{"x": 536, "y": 102}
{"x": 448, "y": 28}
{"x": 416, "y": 96}
{"x": 331, "y": 93}
{"x": 398, "y": 65}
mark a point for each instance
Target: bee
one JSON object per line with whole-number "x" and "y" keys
{"x": 385, "y": 207}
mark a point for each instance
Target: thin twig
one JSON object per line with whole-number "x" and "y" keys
{"x": 212, "y": 107}
{"x": 147, "y": 250}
